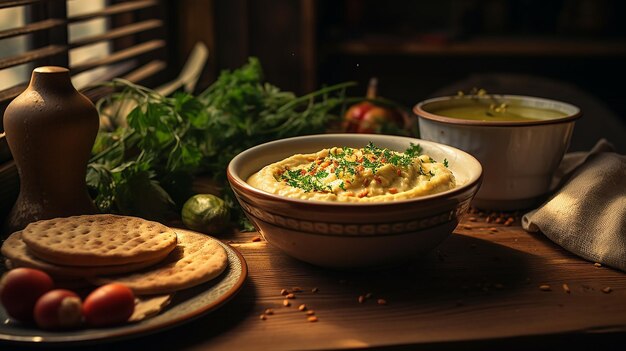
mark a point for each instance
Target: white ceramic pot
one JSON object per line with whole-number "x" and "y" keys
{"x": 518, "y": 158}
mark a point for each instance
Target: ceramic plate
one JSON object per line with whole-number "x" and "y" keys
{"x": 185, "y": 306}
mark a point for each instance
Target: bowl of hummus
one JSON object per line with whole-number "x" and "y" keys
{"x": 354, "y": 200}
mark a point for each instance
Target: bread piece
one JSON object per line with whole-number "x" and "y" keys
{"x": 149, "y": 306}
{"x": 98, "y": 240}
{"x": 197, "y": 259}
{"x": 17, "y": 252}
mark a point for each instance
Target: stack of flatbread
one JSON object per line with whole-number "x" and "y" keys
{"x": 146, "y": 256}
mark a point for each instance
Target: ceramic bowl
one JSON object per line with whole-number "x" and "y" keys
{"x": 349, "y": 235}
{"x": 519, "y": 158}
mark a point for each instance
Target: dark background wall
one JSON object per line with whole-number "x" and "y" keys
{"x": 574, "y": 50}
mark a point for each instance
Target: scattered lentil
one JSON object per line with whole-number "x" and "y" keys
{"x": 315, "y": 290}
{"x": 493, "y": 229}
{"x": 566, "y": 288}
{"x": 290, "y": 296}
{"x": 607, "y": 290}
{"x": 310, "y": 312}
{"x": 302, "y": 307}
{"x": 361, "y": 299}
{"x": 256, "y": 239}
{"x": 472, "y": 219}
{"x": 286, "y": 303}
{"x": 368, "y": 295}
{"x": 296, "y": 289}
{"x": 545, "y": 287}
{"x": 467, "y": 227}
{"x": 312, "y": 319}
{"x": 381, "y": 301}
{"x": 598, "y": 264}
{"x": 262, "y": 317}
{"x": 284, "y": 292}
{"x": 269, "y": 311}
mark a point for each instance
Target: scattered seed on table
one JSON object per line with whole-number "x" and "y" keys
{"x": 368, "y": 295}
{"x": 607, "y": 290}
{"x": 498, "y": 220}
{"x": 284, "y": 292}
{"x": 262, "y": 317}
{"x": 312, "y": 319}
{"x": 290, "y": 296}
{"x": 310, "y": 312}
{"x": 286, "y": 303}
{"x": 381, "y": 302}
{"x": 488, "y": 219}
{"x": 314, "y": 290}
{"x": 361, "y": 299}
{"x": 296, "y": 289}
{"x": 566, "y": 288}
{"x": 493, "y": 229}
{"x": 472, "y": 219}
{"x": 598, "y": 264}
{"x": 256, "y": 239}
{"x": 302, "y": 307}
{"x": 467, "y": 227}
{"x": 545, "y": 287}
{"x": 269, "y": 311}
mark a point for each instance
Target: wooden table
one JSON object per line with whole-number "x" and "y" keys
{"x": 480, "y": 288}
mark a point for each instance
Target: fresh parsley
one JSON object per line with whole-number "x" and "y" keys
{"x": 145, "y": 162}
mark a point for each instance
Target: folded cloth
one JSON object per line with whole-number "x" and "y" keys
{"x": 586, "y": 215}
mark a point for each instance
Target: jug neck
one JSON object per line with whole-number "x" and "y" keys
{"x": 51, "y": 78}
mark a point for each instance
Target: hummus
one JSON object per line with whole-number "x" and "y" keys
{"x": 370, "y": 174}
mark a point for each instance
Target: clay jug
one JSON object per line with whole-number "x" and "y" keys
{"x": 50, "y": 129}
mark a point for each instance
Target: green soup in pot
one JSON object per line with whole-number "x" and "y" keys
{"x": 483, "y": 112}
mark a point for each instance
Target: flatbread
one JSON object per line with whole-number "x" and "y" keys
{"x": 197, "y": 259}
{"x": 19, "y": 255}
{"x": 149, "y": 306}
{"x": 98, "y": 240}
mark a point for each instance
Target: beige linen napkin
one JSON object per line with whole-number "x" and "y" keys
{"x": 587, "y": 213}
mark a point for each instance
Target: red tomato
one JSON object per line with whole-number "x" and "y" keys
{"x": 58, "y": 309}
{"x": 19, "y": 290}
{"x": 354, "y": 115}
{"x": 109, "y": 305}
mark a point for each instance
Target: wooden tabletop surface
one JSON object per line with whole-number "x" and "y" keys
{"x": 488, "y": 285}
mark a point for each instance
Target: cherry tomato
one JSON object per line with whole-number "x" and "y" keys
{"x": 58, "y": 309}
{"x": 109, "y": 305}
{"x": 20, "y": 289}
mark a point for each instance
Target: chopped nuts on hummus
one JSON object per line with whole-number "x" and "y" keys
{"x": 369, "y": 174}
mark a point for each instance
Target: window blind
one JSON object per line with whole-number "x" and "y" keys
{"x": 135, "y": 32}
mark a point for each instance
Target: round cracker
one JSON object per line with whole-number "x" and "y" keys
{"x": 197, "y": 259}
{"x": 16, "y": 250}
{"x": 98, "y": 240}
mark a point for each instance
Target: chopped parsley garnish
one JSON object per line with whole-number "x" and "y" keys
{"x": 305, "y": 181}
{"x": 346, "y": 163}
{"x": 414, "y": 150}
{"x": 445, "y": 162}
